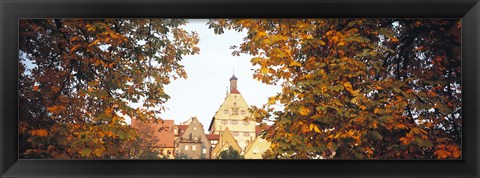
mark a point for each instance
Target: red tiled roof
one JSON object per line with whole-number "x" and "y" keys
{"x": 259, "y": 129}
{"x": 213, "y": 136}
{"x": 181, "y": 129}
{"x": 162, "y": 132}
{"x": 234, "y": 91}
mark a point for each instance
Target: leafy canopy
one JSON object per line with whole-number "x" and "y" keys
{"x": 78, "y": 76}
{"x": 357, "y": 88}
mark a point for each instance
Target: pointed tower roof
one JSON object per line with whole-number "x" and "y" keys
{"x": 233, "y": 77}
{"x": 226, "y": 140}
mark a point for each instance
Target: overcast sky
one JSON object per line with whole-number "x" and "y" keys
{"x": 202, "y": 93}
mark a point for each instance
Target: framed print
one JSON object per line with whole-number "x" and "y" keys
{"x": 239, "y": 89}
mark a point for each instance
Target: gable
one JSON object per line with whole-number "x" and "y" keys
{"x": 196, "y": 130}
{"x": 226, "y": 139}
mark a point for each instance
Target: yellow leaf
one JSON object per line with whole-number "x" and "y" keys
{"x": 99, "y": 151}
{"x": 94, "y": 43}
{"x": 271, "y": 100}
{"x": 315, "y": 128}
{"x": 295, "y": 63}
{"x": 263, "y": 70}
{"x": 347, "y": 85}
{"x": 304, "y": 111}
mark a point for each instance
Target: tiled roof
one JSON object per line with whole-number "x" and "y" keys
{"x": 234, "y": 91}
{"x": 163, "y": 134}
{"x": 259, "y": 129}
{"x": 181, "y": 129}
{"x": 213, "y": 136}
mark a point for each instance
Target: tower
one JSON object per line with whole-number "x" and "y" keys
{"x": 233, "y": 84}
{"x": 231, "y": 115}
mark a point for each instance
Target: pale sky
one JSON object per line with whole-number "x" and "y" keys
{"x": 202, "y": 93}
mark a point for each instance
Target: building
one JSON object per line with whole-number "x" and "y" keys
{"x": 231, "y": 115}
{"x": 226, "y": 141}
{"x": 158, "y": 135}
{"x": 213, "y": 138}
{"x": 191, "y": 141}
{"x": 258, "y": 146}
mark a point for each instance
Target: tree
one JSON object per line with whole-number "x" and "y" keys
{"x": 78, "y": 76}
{"x": 357, "y": 88}
{"x": 230, "y": 154}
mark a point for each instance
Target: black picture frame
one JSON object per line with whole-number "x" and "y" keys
{"x": 11, "y": 11}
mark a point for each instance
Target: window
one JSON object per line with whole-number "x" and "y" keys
{"x": 234, "y": 122}
{"x": 246, "y": 134}
{"x": 235, "y": 133}
{"x": 194, "y": 128}
{"x": 186, "y": 147}
{"x": 234, "y": 103}
{"x": 225, "y": 111}
{"x": 194, "y": 147}
{"x": 245, "y": 122}
{"x": 224, "y": 122}
{"x": 234, "y": 111}
{"x": 242, "y": 112}
{"x": 204, "y": 151}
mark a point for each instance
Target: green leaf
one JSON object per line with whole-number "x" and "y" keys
{"x": 376, "y": 135}
{"x": 354, "y": 100}
{"x": 358, "y": 155}
{"x": 352, "y": 23}
{"x": 396, "y": 89}
{"x": 86, "y": 152}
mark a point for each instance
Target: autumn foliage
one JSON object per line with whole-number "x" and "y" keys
{"x": 351, "y": 88}
{"x": 78, "y": 76}
{"x": 357, "y": 88}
